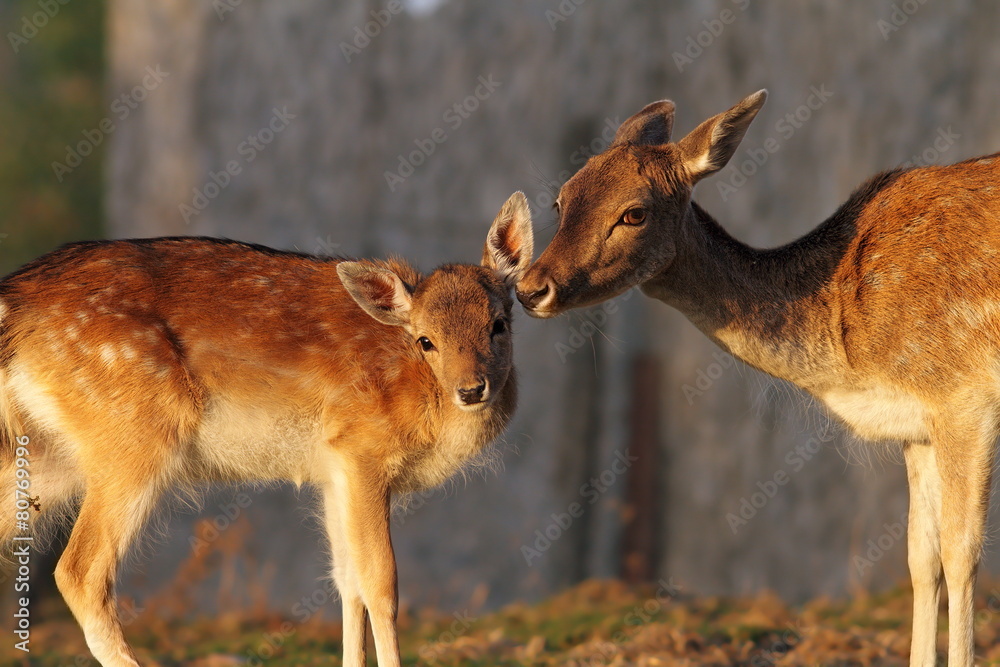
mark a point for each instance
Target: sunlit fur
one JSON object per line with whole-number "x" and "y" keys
{"x": 140, "y": 367}
{"x": 888, "y": 313}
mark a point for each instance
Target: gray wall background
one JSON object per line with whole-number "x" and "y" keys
{"x": 902, "y": 75}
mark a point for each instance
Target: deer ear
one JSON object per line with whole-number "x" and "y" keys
{"x": 650, "y": 127}
{"x": 710, "y": 146}
{"x": 378, "y": 291}
{"x": 509, "y": 245}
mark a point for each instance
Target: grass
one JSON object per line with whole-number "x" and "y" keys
{"x": 594, "y": 623}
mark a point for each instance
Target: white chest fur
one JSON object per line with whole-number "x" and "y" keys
{"x": 240, "y": 441}
{"x": 463, "y": 441}
{"x": 878, "y": 412}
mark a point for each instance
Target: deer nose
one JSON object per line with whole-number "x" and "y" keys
{"x": 474, "y": 394}
{"x": 535, "y": 298}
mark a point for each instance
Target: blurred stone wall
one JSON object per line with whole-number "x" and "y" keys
{"x": 285, "y": 124}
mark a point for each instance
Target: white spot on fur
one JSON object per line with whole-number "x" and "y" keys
{"x": 108, "y": 353}
{"x": 147, "y": 335}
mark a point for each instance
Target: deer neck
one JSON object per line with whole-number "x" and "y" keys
{"x": 769, "y": 308}
{"x": 449, "y": 439}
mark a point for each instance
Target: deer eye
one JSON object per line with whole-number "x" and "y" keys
{"x": 425, "y": 344}
{"x": 634, "y": 216}
{"x": 499, "y": 326}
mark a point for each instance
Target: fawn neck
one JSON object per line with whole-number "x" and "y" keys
{"x": 769, "y": 308}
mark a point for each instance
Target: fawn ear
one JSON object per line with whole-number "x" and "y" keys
{"x": 509, "y": 244}
{"x": 650, "y": 127}
{"x": 711, "y": 145}
{"x": 378, "y": 291}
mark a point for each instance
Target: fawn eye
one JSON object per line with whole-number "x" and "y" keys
{"x": 634, "y": 216}
{"x": 425, "y": 344}
{"x": 499, "y": 326}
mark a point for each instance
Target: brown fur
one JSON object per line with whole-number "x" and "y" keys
{"x": 888, "y": 312}
{"x": 139, "y": 366}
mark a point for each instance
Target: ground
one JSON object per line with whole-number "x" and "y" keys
{"x": 595, "y": 623}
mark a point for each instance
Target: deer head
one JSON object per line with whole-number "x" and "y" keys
{"x": 459, "y": 315}
{"x": 620, "y": 216}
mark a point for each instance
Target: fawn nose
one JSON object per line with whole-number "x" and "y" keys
{"x": 474, "y": 394}
{"x": 534, "y": 299}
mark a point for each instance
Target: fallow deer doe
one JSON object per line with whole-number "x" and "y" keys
{"x": 888, "y": 312}
{"x": 141, "y": 365}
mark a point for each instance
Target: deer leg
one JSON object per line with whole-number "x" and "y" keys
{"x": 111, "y": 516}
{"x": 924, "y": 550}
{"x": 964, "y": 463}
{"x": 363, "y": 503}
{"x": 355, "y": 616}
